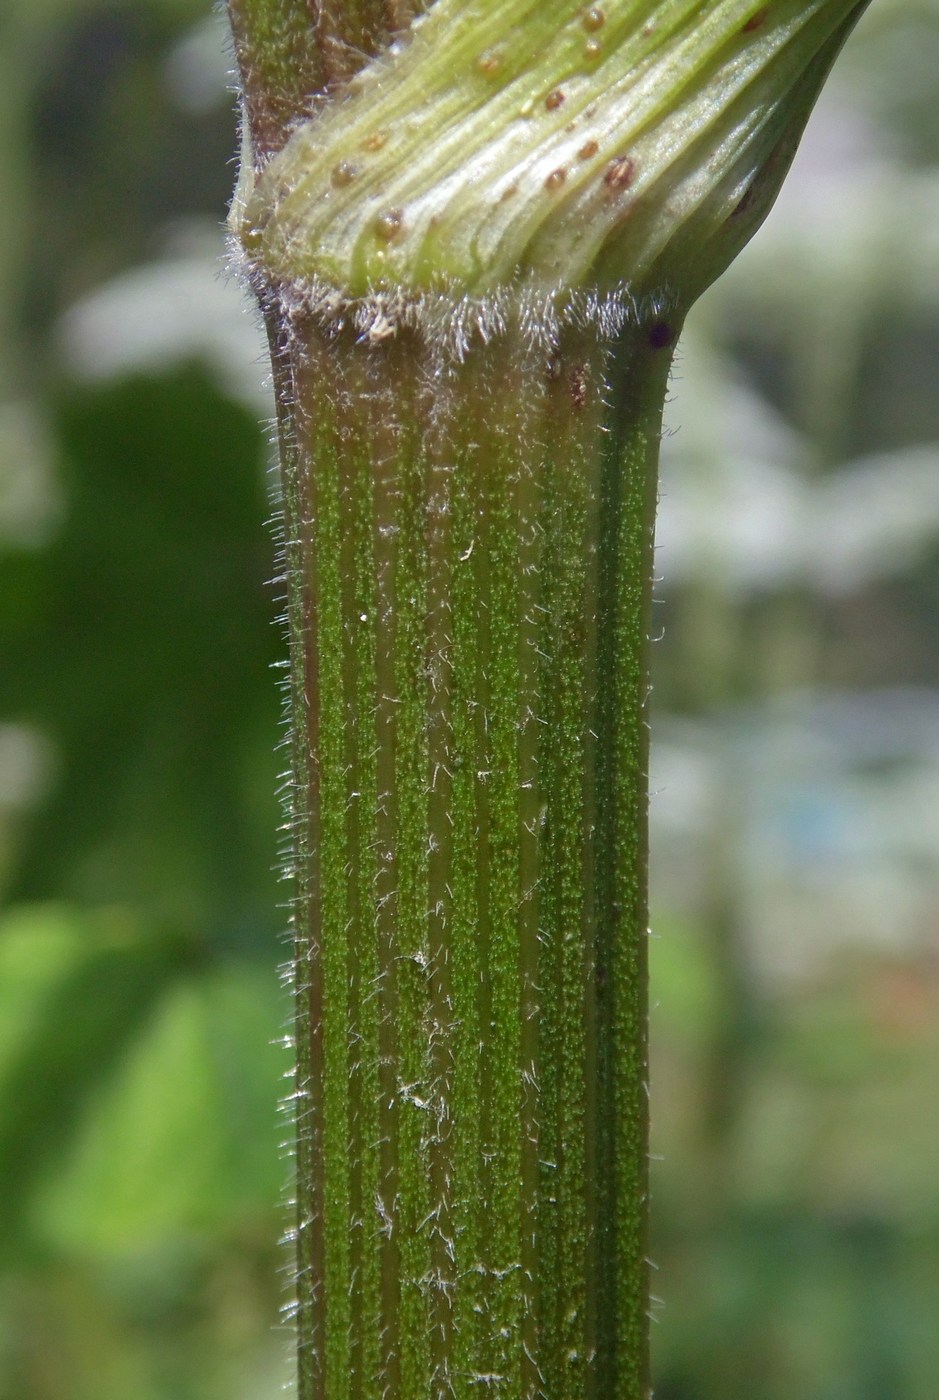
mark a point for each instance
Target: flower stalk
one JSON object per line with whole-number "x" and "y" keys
{"x": 471, "y": 353}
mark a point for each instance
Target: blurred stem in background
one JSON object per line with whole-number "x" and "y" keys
{"x": 20, "y": 28}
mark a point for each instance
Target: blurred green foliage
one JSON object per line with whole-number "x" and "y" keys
{"x": 796, "y": 958}
{"x": 140, "y": 1164}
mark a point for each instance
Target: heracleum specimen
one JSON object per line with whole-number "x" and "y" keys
{"x": 474, "y": 228}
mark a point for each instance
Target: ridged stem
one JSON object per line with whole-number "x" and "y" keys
{"x": 474, "y": 230}
{"x": 470, "y": 544}
{"x": 291, "y": 53}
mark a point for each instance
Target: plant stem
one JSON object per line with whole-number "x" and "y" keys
{"x": 469, "y": 400}
{"x": 471, "y": 548}
{"x": 293, "y": 52}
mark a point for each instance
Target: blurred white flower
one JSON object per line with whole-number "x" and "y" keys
{"x": 187, "y": 306}
{"x": 200, "y": 67}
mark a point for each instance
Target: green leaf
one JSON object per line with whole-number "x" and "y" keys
{"x": 73, "y": 993}
{"x": 146, "y": 661}
{"x": 181, "y": 1143}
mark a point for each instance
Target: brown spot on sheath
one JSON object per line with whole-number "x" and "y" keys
{"x": 556, "y": 179}
{"x": 620, "y": 173}
{"x": 660, "y": 335}
{"x": 389, "y": 224}
{"x": 554, "y": 100}
{"x": 756, "y": 21}
{"x": 489, "y": 63}
{"x": 344, "y": 173}
{"x": 375, "y": 141}
{"x": 588, "y": 150}
{"x": 746, "y": 201}
{"x": 592, "y": 50}
{"x": 758, "y": 185}
{"x": 578, "y": 386}
{"x": 593, "y": 19}
{"x": 507, "y": 193}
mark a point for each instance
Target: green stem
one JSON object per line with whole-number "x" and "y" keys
{"x": 291, "y": 52}
{"x": 470, "y": 399}
{"x": 473, "y": 548}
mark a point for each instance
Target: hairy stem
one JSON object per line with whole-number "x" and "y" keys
{"x": 469, "y": 621}
{"x": 292, "y": 53}
{"x": 474, "y": 243}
